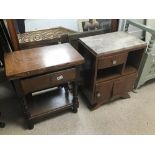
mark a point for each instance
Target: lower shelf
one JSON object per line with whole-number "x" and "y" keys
{"x": 50, "y": 102}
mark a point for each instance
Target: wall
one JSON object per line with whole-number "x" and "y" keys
{"x": 38, "y": 24}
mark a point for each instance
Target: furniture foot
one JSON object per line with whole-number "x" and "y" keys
{"x": 75, "y": 109}
{"x": 30, "y": 125}
{"x": 125, "y": 96}
{"x": 27, "y": 114}
{"x": 2, "y": 124}
{"x": 134, "y": 91}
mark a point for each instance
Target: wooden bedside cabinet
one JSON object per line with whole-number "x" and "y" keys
{"x": 39, "y": 69}
{"x": 111, "y": 67}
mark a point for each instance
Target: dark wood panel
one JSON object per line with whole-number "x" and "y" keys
{"x": 114, "y": 25}
{"x": 48, "y": 80}
{"x": 103, "y": 92}
{"x": 34, "y": 61}
{"x": 74, "y": 38}
{"x": 118, "y": 56}
{"x": 13, "y": 34}
{"x": 123, "y": 85}
{"x": 109, "y": 61}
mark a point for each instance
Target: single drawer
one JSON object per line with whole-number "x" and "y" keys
{"x": 103, "y": 92}
{"x": 109, "y": 61}
{"x": 48, "y": 80}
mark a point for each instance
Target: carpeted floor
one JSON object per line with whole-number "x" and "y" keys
{"x": 124, "y": 116}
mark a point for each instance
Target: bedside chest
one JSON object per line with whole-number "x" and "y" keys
{"x": 34, "y": 71}
{"x": 112, "y": 63}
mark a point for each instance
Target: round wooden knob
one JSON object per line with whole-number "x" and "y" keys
{"x": 98, "y": 94}
{"x": 114, "y": 62}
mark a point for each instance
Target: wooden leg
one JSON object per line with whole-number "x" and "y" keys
{"x": 2, "y": 124}
{"x": 13, "y": 86}
{"x": 75, "y": 97}
{"x": 66, "y": 89}
{"x": 27, "y": 114}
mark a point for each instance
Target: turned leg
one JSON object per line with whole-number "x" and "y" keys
{"x": 75, "y": 97}
{"x": 27, "y": 114}
{"x": 66, "y": 87}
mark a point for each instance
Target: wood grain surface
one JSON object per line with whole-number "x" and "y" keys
{"x": 25, "y": 63}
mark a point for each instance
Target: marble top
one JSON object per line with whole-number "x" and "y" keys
{"x": 112, "y": 42}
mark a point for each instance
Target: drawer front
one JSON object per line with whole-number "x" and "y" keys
{"x": 109, "y": 61}
{"x": 47, "y": 80}
{"x": 103, "y": 92}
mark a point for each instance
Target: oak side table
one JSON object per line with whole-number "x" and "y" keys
{"x": 39, "y": 69}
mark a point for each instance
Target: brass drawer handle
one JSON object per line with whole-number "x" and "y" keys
{"x": 60, "y": 77}
{"x": 114, "y": 62}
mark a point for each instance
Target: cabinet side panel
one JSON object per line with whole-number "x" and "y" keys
{"x": 88, "y": 73}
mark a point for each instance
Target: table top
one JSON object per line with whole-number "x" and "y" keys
{"x": 25, "y": 63}
{"x": 112, "y": 42}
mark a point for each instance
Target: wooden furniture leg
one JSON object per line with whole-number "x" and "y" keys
{"x": 75, "y": 97}
{"x": 27, "y": 114}
{"x": 2, "y": 124}
{"x": 66, "y": 87}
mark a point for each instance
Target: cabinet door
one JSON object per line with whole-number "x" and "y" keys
{"x": 103, "y": 92}
{"x": 123, "y": 85}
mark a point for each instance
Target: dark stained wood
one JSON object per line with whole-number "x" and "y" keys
{"x": 2, "y": 124}
{"x": 73, "y": 38}
{"x": 55, "y": 100}
{"x": 30, "y": 85}
{"x": 109, "y": 73}
{"x": 13, "y": 34}
{"x": 123, "y": 85}
{"x": 111, "y": 68}
{"x": 113, "y": 60}
{"x": 46, "y": 59}
{"x": 38, "y": 69}
{"x": 5, "y": 41}
{"x": 103, "y": 92}
{"x": 114, "y": 25}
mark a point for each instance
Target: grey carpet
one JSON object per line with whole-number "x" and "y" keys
{"x": 123, "y": 116}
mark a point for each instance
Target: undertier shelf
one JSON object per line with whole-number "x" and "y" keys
{"x": 49, "y": 102}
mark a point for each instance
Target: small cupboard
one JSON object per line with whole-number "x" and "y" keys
{"x": 111, "y": 68}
